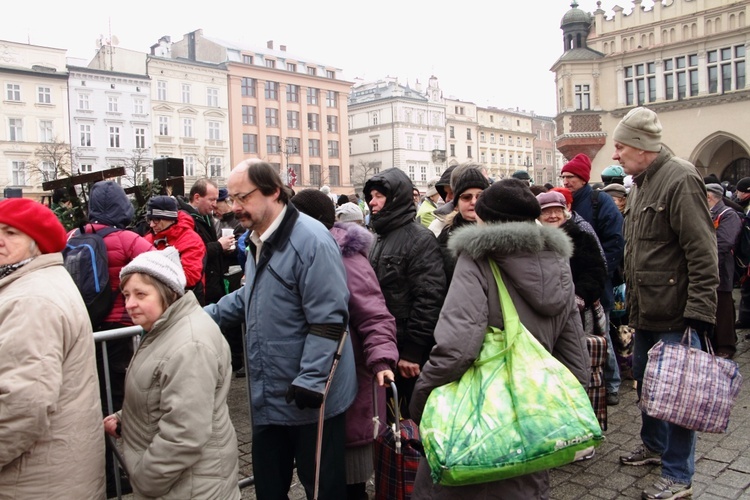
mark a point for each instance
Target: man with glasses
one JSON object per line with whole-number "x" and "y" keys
{"x": 295, "y": 308}
{"x": 598, "y": 209}
{"x": 171, "y": 227}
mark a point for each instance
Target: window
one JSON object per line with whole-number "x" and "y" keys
{"x": 270, "y": 63}
{"x": 292, "y": 145}
{"x": 500, "y": 139}
{"x": 85, "y": 168}
{"x": 331, "y": 74}
{"x": 436, "y": 143}
{"x": 214, "y": 131}
{"x": 528, "y": 144}
{"x": 13, "y": 92}
{"x": 375, "y": 145}
{"x": 726, "y": 69}
{"x": 423, "y": 173}
{"x": 112, "y": 104}
{"x": 44, "y": 95}
{"x": 249, "y": 143}
{"x": 333, "y": 123}
{"x": 453, "y": 149}
{"x": 83, "y": 102}
{"x": 163, "y": 125}
{"x": 291, "y": 67}
{"x": 272, "y": 144}
{"x": 214, "y": 166}
{"x": 409, "y": 142}
{"x": 138, "y": 106}
{"x": 459, "y": 110}
{"x": 411, "y": 173}
{"x": 502, "y": 158}
{"x": 582, "y": 97}
{"x": 272, "y": 91}
{"x": 161, "y": 90}
{"x": 246, "y": 59}
{"x": 186, "y": 93}
{"x": 114, "y": 137}
{"x": 312, "y": 95}
{"x": 248, "y": 115}
{"x": 212, "y": 97}
{"x": 140, "y": 138}
{"x": 483, "y": 157}
{"x": 314, "y": 147}
{"x": 247, "y": 87}
{"x": 187, "y": 127}
{"x": 468, "y": 133}
{"x": 311, "y": 71}
{"x": 272, "y": 117}
{"x": 421, "y": 143}
{"x": 18, "y": 173}
{"x": 45, "y": 131}
{"x": 482, "y": 137}
{"x": 189, "y": 165}
{"x": 493, "y": 157}
{"x": 333, "y": 175}
{"x": 492, "y": 138}
{"x": 468, "y": 151}
{"x": 312, "y": 121}
{"x": 332, "y": 99}
{"x": 680, "y": 77}
{"x": 333, "y": 149}
{"x": 518, "y": 142}
{"x": 452, "y": 132}
{"x": 315, "y": 175}
{"x": 292, "y": 93}
{"x": 85, "y": 133}
{"x": 548, "y": 155}
{"x": 292, "y": 119}
{"x": 15, "y": 126}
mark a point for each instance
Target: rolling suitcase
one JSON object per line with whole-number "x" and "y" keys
{"x": 397, "y": 451}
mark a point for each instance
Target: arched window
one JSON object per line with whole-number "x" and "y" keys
{"x": 694, "y": 30}
{"x": 709, "y": 26}
{"x": 732, "y": 21}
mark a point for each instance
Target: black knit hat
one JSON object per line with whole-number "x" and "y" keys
{"x": 508, "y": 200}
{"x": 470, "y": 178}
{"x": 445, "y": 180}
{"x": 317, "y": 205}
{"x": 162, "y": 208}
{"x": 743, "y": 185}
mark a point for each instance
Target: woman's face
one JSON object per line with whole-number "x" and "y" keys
{"x": 552, "y": 216}
{"x": 15, "y": 245}
{"x": 142, "y": 301}
{"x": 466, "y": 203}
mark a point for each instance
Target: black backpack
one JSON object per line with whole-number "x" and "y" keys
{"x": 742, "y": 245}
{"x": 85, "y": 258}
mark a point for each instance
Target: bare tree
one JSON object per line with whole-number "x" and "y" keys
{"x": 137, "y": 166}
{"x": 52, "y": 160}
{"x": 362, "y": 171}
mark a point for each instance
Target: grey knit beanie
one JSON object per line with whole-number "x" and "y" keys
{"x": 640, "y": 129}
{"x": 163, "y": 265}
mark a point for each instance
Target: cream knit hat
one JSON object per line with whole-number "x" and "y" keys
{"x": 640, "y": 129}
{"x": 163, "y": 265}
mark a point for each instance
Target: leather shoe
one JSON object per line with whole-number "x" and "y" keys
{"x": 613, "y": 399}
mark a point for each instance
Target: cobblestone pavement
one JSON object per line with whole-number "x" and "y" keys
{"x": 722, "y": 461}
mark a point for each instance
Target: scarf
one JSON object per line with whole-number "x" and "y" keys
{"x": 6, "y": 269}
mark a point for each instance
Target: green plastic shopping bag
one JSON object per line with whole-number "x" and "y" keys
{"x": 515, "y": 411}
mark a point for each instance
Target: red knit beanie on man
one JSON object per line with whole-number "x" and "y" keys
{"x": 580, "y": 166}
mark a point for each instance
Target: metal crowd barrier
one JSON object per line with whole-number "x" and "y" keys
{"x": 133, "y": 332}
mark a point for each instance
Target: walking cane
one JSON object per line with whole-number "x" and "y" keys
{"x": 321, "y": 415}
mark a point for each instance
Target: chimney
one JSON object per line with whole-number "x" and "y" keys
{"x": 282, "y": 48}
{"x": 269, "y": 44}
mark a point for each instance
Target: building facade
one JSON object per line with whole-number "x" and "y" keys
{"x": 685, "y": 59}
{"x": 34, "y": 138}
{"x": 546, "y": 165}
{"x": 285, "y": 110}
{"x": 110, "y": 121}
{"x": 506, "y": 142}
{"x": 394, "y": 125}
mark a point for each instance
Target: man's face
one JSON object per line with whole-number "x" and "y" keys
{"x": 159, "y": 225}
{"x": 205, "y": 205}
{"x": 223, "y": 207}
{"x": 377, "y": 202}
{"x": 448, "y": 193}
{"x": 742, "y": 196}
{"x": 416, "y": 195}
{"x": 633, "y": 160}
{"x": 572, "y": 182}
{"x": 251, "y": 208}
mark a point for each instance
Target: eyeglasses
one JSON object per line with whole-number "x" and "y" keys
{"x": 469, "y": 196}
{"x": 566, "y": 177}
{"x": 240, "y": 198}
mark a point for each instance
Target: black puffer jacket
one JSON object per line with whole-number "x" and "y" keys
{"x": 587, "y": 264}
{"x": 408, "y": 263}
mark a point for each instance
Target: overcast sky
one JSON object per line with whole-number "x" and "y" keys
{"x": 490, "y": 53}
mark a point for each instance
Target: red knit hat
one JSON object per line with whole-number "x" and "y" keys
{"x": 580, "y": 166}
{"x": 36, "y": 221}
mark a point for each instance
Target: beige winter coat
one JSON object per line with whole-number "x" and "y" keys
{"x": 179, "y": 442}
{"x": 51, "y": 434}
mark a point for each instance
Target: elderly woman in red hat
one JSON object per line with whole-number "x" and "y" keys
{"x": 50, "y": 423}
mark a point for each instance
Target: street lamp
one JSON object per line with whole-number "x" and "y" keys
{"x": 290, "y": 148}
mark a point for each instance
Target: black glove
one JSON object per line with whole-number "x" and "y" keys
{"x": 701, "y": 327}
{"x": 304, "y": 398}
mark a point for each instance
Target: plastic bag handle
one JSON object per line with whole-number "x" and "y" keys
{"x": 511, "y": 320}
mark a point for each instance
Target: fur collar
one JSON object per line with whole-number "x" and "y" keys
{"x": 352, "y": 238}
{"x": 499, "y": 239}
